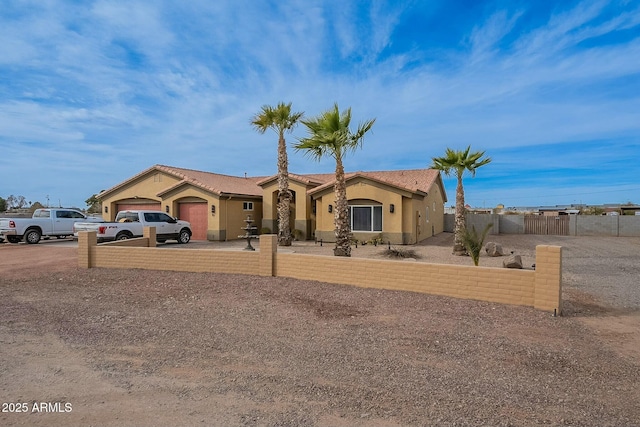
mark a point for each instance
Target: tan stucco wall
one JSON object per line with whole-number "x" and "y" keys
{"x": 232, "y": 216}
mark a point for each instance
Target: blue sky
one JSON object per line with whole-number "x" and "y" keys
{"x": 93, "y": 92}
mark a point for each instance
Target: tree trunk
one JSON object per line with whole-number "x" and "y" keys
{"x": 343, "y": 229}
{"x": 458, "y": 246}
{"x": 284, "y": 195}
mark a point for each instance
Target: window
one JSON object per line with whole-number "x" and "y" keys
{"x": 365, "y": 218}
{"x": 247, "y": 206}
{"x": 151, "y": 217}
{"x": 69, "y": 214}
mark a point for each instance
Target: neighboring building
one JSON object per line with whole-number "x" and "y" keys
{"x": 405, "y": 206}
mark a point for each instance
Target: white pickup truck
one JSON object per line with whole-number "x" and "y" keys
{"x": 44, "y": 222}
{"x": 129, "y": 224}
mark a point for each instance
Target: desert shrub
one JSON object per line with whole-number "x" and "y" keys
{"x": 394, "y": 252}
{"x": 265, "y": 230}
{"x": 474, "y": 241}
{"x": 378, "y": 240}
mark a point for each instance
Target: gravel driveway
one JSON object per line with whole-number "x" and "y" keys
{"x": 155, "y": 348}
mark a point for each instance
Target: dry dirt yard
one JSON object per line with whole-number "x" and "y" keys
{"x": 147, "y": 348}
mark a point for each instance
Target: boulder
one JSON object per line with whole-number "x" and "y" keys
{"x": 494, "y": 249}
{"x": 514, "y": 261}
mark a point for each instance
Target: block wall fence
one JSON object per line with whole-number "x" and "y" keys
{"x": 540, "y": 288}
{"x": 579, "y": 225}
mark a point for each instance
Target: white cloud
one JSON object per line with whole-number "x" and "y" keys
{"x": 185, "y": 78}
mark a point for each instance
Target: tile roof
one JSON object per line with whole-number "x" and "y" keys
{"x": 216, "y": 183}
{"x": 413, "y": 180}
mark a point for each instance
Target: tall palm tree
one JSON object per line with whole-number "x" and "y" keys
{"x": 458, "y": 162}
{"x": 280, "y": 119}
{"x": 329, "y": 135}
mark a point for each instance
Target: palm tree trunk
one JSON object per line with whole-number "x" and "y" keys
{"x": 284, "y": 195}
{"x": 343, "y": 229}
{"x": 458, "y": 246}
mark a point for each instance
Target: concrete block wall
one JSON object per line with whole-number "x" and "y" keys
{"x": 501, "y": 285}
{"x": 594, "y": 225}
{"x": 629, "y": 225}
{"x": 579, "y": 225}
{"x": 482, "y": 220}
{"x": 139, "y": 253}
{"x": 540, "y": 288}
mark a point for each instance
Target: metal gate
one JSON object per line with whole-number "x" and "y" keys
{"x": 548, "y": 225}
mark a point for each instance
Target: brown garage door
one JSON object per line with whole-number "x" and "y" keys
{"x": 196, "y": 214}
{"x": 138, "y": 207}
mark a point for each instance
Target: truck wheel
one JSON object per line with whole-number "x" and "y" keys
{"x": 184, "y": 236}
{"x": 32, "y": 236}
{"x": 13, "y": 239}
{"x": 123, "y": 235}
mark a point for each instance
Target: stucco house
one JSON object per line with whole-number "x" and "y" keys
{"x": 405, "y": 206}
{"x": 216, "y": 205}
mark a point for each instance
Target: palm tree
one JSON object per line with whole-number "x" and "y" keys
{"x": 457, "y": 162}
{"x": 474, "y": 241}
{"x": 329, "y": 135}
{"x": 281, "y": 120}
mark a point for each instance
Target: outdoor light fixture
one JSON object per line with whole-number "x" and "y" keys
{"x": 330, "y": 208}
{"x": 392, "y": 208}
{"x": 166, "y": 209}
{"x": 106, "y": 209}
{"x": 213, "y": 209}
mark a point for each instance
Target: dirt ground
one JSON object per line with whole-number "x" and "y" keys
{"x": 105, "y": 347}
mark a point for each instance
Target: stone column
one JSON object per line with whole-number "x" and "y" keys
{"x": 268, "y": 249}
{"x": 548, "y": 282}
{"x": 150, "y": 233}
{"x": 87, "y": 242}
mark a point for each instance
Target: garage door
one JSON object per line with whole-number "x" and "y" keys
{"x": 138, "y": 207}
{"x": 196, "y": 214}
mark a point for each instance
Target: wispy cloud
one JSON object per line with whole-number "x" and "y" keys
{"x": 127, "y": 85}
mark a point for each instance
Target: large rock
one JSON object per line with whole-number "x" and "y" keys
{"x": 514, "y": 261}
{"x": 494, "y": 249}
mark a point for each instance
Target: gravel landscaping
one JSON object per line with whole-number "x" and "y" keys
{"x": 162, "y": 348}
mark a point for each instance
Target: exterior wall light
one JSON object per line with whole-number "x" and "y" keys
{"x": 213, "y": 209}
{"x": 106, "y": 209}
{"x": 392, "y": 208}
{"x": 330, "y": 208}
